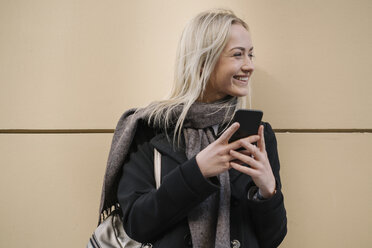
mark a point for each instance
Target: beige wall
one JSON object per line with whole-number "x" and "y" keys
{"x": 79, "y": 64}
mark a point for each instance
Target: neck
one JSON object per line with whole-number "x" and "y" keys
{"x": 213, "y": 99}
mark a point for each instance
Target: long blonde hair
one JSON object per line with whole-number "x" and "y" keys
{"x": 199, "y": 49}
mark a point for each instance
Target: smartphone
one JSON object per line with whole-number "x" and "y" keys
{"x": 249, "y": 121}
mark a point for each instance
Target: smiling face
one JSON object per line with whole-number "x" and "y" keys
{"x": 234, "y": 67}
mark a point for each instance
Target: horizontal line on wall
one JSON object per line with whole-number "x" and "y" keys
{"x": 55, "y": 131}
{"x": 335, "y": 130}
{"x": 93, "y": 131}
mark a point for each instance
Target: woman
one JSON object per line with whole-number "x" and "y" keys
{"x": 208, "y": 196}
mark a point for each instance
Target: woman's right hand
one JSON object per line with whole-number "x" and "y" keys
{"x": 215, "y": 158}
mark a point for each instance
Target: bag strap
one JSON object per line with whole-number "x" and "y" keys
{"x": 157, "y": 167}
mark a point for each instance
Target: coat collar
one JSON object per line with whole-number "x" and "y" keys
{"x": 165, "y": 146}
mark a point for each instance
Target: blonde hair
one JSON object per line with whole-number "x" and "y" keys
{"x": 199, "y": 49}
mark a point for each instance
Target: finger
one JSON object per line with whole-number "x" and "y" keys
{"x": 254, "y": 150}
{"x": 245, "y": 159}
{"x": 238, "y": 143}
{"x": 243, "y": 169}
{"x": 245, "y": 152}
{"x": 261, "y": 143}
{"x": 237, "y": 161}
{"x": 252, "y": 138}
{"x": 224, "y": 138}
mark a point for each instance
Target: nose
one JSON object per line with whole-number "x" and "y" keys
{"x": 248, "y": 65}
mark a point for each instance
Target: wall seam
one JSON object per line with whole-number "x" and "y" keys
{"x": 97, "y": 131}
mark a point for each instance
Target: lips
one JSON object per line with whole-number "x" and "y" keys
{"x": 242, "y": 78}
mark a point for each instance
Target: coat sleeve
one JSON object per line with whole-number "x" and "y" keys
{"x": 269, "y": 216}
{"x": 148, "y": 212}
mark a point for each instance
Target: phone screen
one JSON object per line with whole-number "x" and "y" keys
{"x": 249, "y": 121}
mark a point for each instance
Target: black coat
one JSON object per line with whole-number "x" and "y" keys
{"x": 159, "y": 216}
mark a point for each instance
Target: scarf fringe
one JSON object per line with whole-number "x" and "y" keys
{"x": 107, "y": 212}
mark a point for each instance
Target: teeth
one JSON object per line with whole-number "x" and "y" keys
{"x": 242, "y": 78}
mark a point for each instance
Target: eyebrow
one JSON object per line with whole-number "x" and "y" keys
{"x": 241, "y": 48}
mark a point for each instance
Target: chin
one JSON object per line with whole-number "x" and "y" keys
{"x": 240, "y": 93}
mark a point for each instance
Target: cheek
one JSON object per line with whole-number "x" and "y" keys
{"x": 222, "y": 76}
{"x": 225, "y": 80}
{"x": 228, "y": 79}
{"x": 226, "y": 73}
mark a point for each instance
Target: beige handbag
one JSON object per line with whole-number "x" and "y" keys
{"x": 110, "y": 233}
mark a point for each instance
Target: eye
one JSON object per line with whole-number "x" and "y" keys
{"x": 251, "y": 56}
{"x": 237, "y": 54}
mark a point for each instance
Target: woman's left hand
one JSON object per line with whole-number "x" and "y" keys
{"x": 260, "y": 169}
